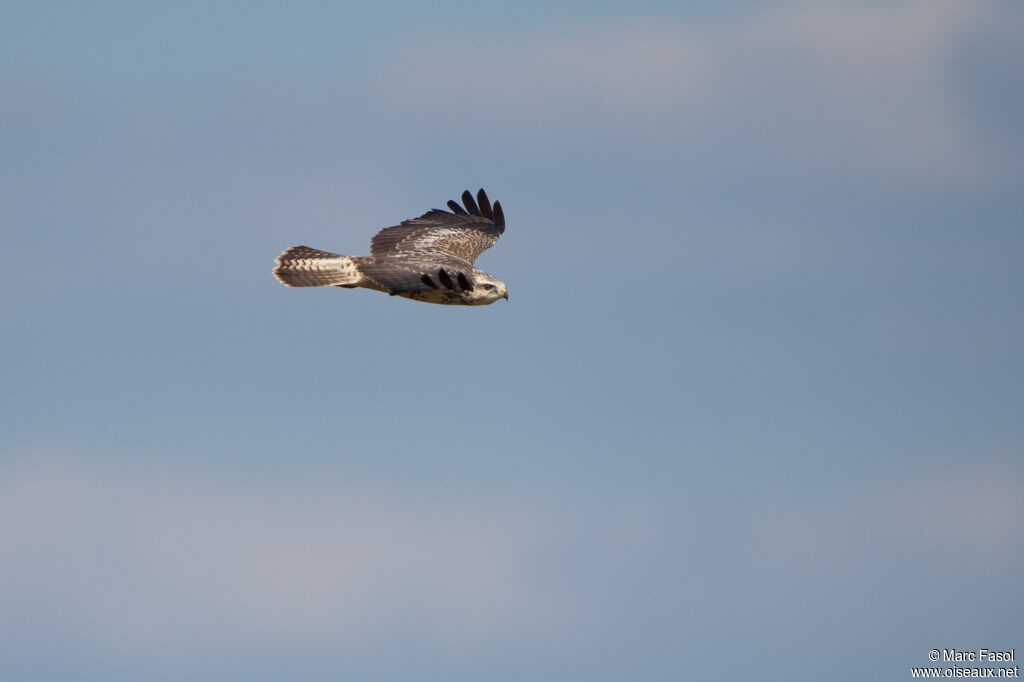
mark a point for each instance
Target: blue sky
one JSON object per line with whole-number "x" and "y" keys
{"x": 753, "y": 406}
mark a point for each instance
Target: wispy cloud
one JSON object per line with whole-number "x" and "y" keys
{"x": 973, "y": 509}
{"x": 865, "y": 86}
{"x": 138, "y": 560}
{"x": 130, "y": 562}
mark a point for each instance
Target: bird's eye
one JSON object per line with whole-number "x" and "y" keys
{"x": 489, "y": 287}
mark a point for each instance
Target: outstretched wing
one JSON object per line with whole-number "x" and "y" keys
{"x": 402, "y": 277}
{"x": 439, "y": 235}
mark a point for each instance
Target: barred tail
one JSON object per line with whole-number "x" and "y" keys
{"x": 301, "y": 266}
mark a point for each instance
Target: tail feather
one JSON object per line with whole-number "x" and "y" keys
{"x": 301, "y": 266}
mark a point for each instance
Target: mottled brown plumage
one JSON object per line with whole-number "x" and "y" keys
{"x": 405, "y": 259}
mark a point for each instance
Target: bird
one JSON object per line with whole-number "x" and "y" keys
{"x": 428, "y": 259}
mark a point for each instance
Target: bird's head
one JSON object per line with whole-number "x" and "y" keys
{"x": 486, "y": 289}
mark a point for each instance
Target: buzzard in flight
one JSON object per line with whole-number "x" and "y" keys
{"x": 427, "y": 259}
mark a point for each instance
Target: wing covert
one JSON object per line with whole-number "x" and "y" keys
{"x": 402, "y": 277}
{"x": 463, "y": 233}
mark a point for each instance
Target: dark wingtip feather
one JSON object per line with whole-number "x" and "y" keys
{"x": 445, "y": 279}
{"x": 499, "y": 217}
{"x": 467, "y": 201}
{"x": 484, "y": 209}
{"x": 485, "y": 204}
{"x": 429, "y": 282}
{"x": 464, "y": 282}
